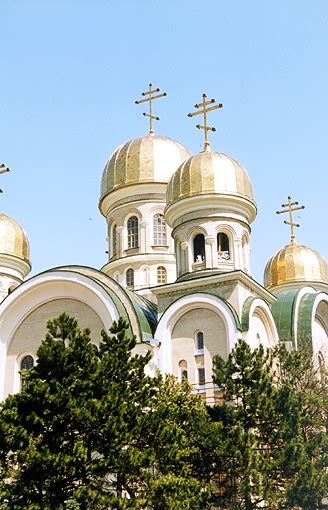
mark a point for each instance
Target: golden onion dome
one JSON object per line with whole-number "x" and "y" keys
{"x": 211, "y": 173}
{"x": 13, "y": 239}
{"x": 295, "y": 263}
{"x": 146, "y": 159}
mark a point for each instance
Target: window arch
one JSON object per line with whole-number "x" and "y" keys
{"x": 199, "y": 248}
{"x": 130, "y": 277}
{"x": 223, "y": 246}
{"x": 161, "y": 275}
{"x": 133, "y": 232}
{"x": 159, "y": 230}
{"x": 26, "y": 364}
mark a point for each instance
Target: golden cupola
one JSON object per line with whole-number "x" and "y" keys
{"x": 216, "y": 177}
{"x": 13, "y": 239}
{"x": 144, "y": 160}
{"x": 14, "y": 254}
{"x": 295, "y": 263}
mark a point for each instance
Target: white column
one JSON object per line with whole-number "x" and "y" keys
{"x": 184, "y": 258}
{"x": 210, "y": 253}
{"x": 143, "y": 236}
{"x": 120, "y": 241}
{"x": 238, "y": 262}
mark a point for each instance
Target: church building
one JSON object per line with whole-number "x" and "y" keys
{"x": 178, "y": 268}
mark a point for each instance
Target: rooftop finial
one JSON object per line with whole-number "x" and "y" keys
{"x": 290, "y": 209}
{"x": 150, "y": 98}
{"x": 3, "y": 169}
{"x": 204, "y": 111}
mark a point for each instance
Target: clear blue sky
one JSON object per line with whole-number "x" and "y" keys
{"x": 72, "y": 69}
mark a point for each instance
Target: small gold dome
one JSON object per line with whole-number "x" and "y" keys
{"x": 146, "y": 159}
{"x": 295, "y": 263}
{"x": 13, "y": 239}
{"x": 211, "y": 173}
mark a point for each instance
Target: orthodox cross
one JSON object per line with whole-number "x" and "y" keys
{"x": 3, "y": 169}
{"x": 150, "y": 98}
{"x": 204, "y": 111}
{"x": 290, "y": 209}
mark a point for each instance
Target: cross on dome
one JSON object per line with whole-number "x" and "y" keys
{"x": 3, "y": 169}
{"x": 289, "y": 208}
{"x": 204, "y": 111}
{"x": 150, "y": 98}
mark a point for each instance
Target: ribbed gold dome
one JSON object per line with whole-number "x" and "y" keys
{"x": 295, "y": 263}
{"x": 210, "y": 172}
{"x": 146, "y": 159}
{"x": 13, "y": 239}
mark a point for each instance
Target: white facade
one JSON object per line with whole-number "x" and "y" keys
{"x": 178, "y": 270}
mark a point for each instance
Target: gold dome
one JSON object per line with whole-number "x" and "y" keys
{"x": 146, "y": 159}
{"x": 295, "y": 263}
{"x": 13, "y": 239}
{"x": 211, "y": 173}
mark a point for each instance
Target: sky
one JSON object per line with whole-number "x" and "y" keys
{"x": 71, "y": 71}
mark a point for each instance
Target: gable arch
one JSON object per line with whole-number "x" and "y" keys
{"x": 24, "y": 313}
{"x": 258, "y": 321}
{"x": 189, "y": 304}
{"x": 312, "y": 323}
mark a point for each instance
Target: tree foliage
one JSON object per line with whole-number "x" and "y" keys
{"x": 272, "y": 421}
{"x": 91, "y": 430}
{"x": 305, "y": 458}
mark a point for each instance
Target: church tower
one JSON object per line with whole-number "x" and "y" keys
{"x": 132, "y": 199}
{"x": 210, "y": 207}
{"x": 298, "y": 276}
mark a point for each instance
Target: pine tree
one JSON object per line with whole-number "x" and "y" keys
{"x": 304, "y": 458}
{"x": 273, "y": 418}
{"x": 246, "y": 414}
{"x": 90, "y": 430}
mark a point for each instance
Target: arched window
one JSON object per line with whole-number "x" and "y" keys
{"x": 223, "y": 246}
{"x": 159, "y": 229}
{"x": 200, "y": 341}
{"x": 26, "y": 364}
{"x": 161, "y": 275}
{"x": 133, "y": 232}
{"x": 130, "y": 278}
{"x": 114, "y": 252}
{"x": 199, "y": 248}
{"x": 183, "y": 370}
